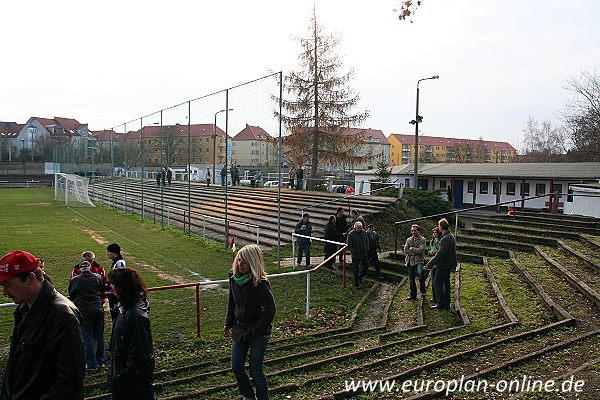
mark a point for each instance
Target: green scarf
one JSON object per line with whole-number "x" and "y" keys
{"x": 242, "y": 279}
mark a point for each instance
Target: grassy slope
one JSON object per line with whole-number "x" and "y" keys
{"x": 32, "y": 221}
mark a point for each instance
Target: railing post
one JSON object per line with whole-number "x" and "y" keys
{"x": 395, "y": 239}
{"x": 456, "y": 226}
{"x": 184, "y": 220}
{"x": 198, "y": 310}
{"x": 153, "y": 213}
{"x": 293, "y": 251}
{"x": 257, "y": 236}
{"x": 308, "y": 295}
{"x": 344, "y": 269}
{"x": 168, "y": 216}
{"x": 204, "y": 226}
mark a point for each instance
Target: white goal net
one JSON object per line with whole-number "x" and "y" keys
{"x": 73, "y": 188}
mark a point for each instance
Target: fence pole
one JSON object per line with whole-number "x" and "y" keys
{"x": 168, "y": 216}
{"x": 344, "y": 269}
{"x": 204, "y": 226}
{"x": 198, "y": 310}
{"x": 395, "y": 239}
{"x": 257, "y": 235}
{"x": 308, "y": 295}
{"x": 456, "y": 226}
{"x": 154, "y": 213}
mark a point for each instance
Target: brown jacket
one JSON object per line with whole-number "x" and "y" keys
{"x": 414, "y": 248}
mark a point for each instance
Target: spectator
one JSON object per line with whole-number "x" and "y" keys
{"x": 236, "y": 175}
{"x": 86, "y": 290}
{"x": 250, "y": 316}
{"x": 207, "y": 177}
{"x": 90, "y": 257}
{"x": 341, "y": 226}
{"x": 158, "y": 175}
{"x": 223, "y": 174}
{"x": 330, "y": 234}
{"x": 414, "y": 249}
{"x": 46, "y": 359}
{"x": 357, "y": 244}
{"x": 299, "y": 178}
{"x": 292, "y": 177}
{"x": 304, "y": 227}
{"x": 232, "y": 173}
{"x": 132, "y": 364}
{"x": 163, "y": 176}
{"x": 169, "y": 175}
{"x": 445, "y": 262}
{"x": 258, "y": 178}
{"x": 114, "y": 253}
{"x": 373, "y": 248}
{"x": 432, "y": 249}
{"x": 356, "y": 217}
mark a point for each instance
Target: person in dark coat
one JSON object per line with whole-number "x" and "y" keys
{"x": 250, "y": 314}
{"x": 330, "y": 234}
{"x": 158, "y": 175}
{"x": 46, "y": 358}
{"x": 223, "y": 175}
{"x": 299, "y": 178}
{"x": 132, "y": 364}
{"x": 341, "y": 226}
{"x": 373, "y": 249}
{"x": 86, "y": 290}
{"x": 232, "y": 173}
{"x": 114, "y": 253}
{"x": 445, "y": 262}
{"x": 163, "y": 176}
{"x": 357, "y": 244}
{"x": 304, "y": 227}
{"x": 97, "y": 268}
{"x": 169, "y": 176}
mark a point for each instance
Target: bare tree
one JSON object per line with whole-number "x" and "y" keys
{"x": 321, "y": 105}
{"x": 582, "y": 116}
{"x": 167, "y": 144}
{"x": 544, "y": 142}
{"x": 407, "y": 9}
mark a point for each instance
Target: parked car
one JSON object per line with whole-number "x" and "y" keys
{"x": 342, "y": 189}
{"x": 274, "y": 184}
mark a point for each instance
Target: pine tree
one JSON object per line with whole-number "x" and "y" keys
{"x": 320, "y": 106}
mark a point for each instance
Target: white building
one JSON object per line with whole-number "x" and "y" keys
{"x": 482, "y": 184}
{"x": 586, "y": 200}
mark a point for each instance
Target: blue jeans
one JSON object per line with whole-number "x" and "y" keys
{"x": 441, "y": 283}
{"x": 412, "y": 275}
{"x": 433, "y": 272}
{"x": 239, "y": 351}
{"x": 93, "y": 331}
{"x": 304, "y": 248}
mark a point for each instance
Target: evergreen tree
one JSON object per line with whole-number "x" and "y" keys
{"x": 320, "y": 106}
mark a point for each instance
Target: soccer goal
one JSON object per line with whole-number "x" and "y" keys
{"x": 73, "y": 188}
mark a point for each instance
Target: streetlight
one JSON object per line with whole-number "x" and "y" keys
{"x": 214, "y": 179}
{"x": 23, "y": 153}
{"x": 416, "y": 121}
{"x": 32, "y": 131}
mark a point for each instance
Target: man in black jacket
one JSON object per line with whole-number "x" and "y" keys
{"x": 46, "y": 358}
{"x": 445, "y": 262}
{"x": 304, "y": 228}
{"x": 86, "y": 290}
{"x": 332, "y": 235}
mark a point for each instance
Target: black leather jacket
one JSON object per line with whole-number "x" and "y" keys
{"x": 132, "y": 364}
{"x": 251, "y": 310}
{"x": 86, "y": 291}
{"x": 46, "y": 360}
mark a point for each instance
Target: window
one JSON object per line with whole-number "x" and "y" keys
{"x": 497, "y": 187}
{"x": 207, "y": 149}
{"x": 540, "y": 189}
{"x": 483, "y": 187}
{"x": 570, "y": 198}
{"x": 407, "y": 182}
{"x": 510, "y": 188}
{"x": 206, "y": 140}
{"x": 557, "y": 187}
{"x": 443, "y": 185}
{"x": 525, "y": 189}
{"x": 254, "y": 152}
{"x": 471, "y": 187}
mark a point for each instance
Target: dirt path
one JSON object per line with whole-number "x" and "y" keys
{"x": 376, "y": 304}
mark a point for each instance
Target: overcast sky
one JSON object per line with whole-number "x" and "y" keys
{"x": 108, "y": 62}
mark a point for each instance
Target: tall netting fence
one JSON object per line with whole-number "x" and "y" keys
{"x": 156, "y": 164}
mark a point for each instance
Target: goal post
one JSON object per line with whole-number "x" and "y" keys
{"x": 74, "y": 188}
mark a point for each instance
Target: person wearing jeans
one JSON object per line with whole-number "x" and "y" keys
{"x": 304, "y": 228}
{"x": 414, "y": 248}
{"x": 86, "y": 290}
{"x": 445, "y": 262}
{"x": 250, "y": 314}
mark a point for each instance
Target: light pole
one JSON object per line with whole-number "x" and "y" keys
{"x": 23, "y": 154}
{"x": 416, "y": 121}
{"x": 32, "y": 131}
{"x": 214, "y": 179}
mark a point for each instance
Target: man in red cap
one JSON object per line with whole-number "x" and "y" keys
{"x": 46, "y": 359}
